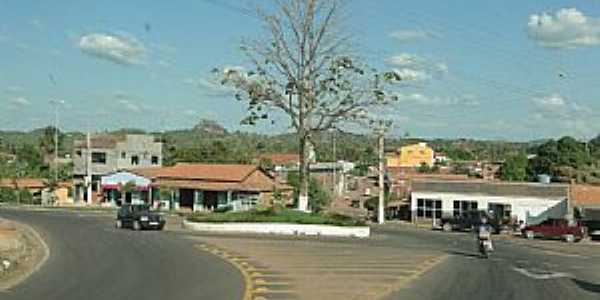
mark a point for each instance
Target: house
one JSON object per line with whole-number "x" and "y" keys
{"x": 106, "y": 154}
{"x": 585, "y": 200}
{"x": 280, "y": 160}
{"x": 40, "y": 191}
{"x": 440, "y": 158}
{"x": 333, "y": 175}
{"x": 207, "y": 187}
{"x": 529, "y": 202}
{"x": 411, "y": 156}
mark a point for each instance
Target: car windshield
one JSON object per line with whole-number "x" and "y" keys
{"x": 140, "y": 208}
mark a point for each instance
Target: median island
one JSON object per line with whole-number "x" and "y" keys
{"x": 287, "y": 221}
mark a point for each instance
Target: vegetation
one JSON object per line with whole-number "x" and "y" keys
{"x": 514, "y": 168}
{"x": 319, "y": 197}
{"x": 275, "y": 216}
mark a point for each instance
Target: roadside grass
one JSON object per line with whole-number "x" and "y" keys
{"x": 272, "y": 216}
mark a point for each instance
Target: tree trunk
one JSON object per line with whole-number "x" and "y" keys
{"x": 304, "y": 174}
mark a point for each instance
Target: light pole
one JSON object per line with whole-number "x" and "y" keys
{"x": 56, "y": 103}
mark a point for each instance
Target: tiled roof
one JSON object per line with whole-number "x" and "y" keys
{"x": 585, "y": 195}
{"x": 282, "y": 158}
{"x": 523, "y": 189}
{"x": 28, "y": 183}
{"x": 210, "y": 172}
{"x": 212, "y": 177}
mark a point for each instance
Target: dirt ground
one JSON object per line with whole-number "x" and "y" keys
{"x": 21, "y": 251}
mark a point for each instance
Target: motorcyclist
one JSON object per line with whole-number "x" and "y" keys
{"x": 484, "y": 235}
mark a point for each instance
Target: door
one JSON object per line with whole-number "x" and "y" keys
{"x": 211, "y": 200}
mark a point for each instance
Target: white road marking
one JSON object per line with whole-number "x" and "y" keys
{"x": 540, "y": 274}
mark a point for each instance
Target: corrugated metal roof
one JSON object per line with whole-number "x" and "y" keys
{"x": 493, "y": 188}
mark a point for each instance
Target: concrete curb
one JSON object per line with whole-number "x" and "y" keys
{"x": 281, "y": 228}
{"x": 16, "y": 281}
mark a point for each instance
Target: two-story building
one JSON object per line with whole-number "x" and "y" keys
{"x": 411, "y": 156}
{"x": 104, "y": 154}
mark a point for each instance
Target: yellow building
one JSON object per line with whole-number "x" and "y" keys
{"x": 411, "y": 156}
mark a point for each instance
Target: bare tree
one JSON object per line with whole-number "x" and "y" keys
{"x": 301, "y": 69}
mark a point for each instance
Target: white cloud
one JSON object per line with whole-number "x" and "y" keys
{"x": 18, "y": 102}
{"x": 551, "y": 102}
{"x": 404, "y": 60}
{"x": 13, "y": 89}
{"x": 566, "y": 28}
{"x": 190, "y": 112}
{"x": 412, "y": 74}
{"x": 37, "y": 24}
{"x": 421, "y": 99}
{"x": 130, "y": 106}
{"x": 163, "y": 63}
{"x": 555, "y": 106}
{"x": 118, "y": 49}
{"x": 406, "y": 35}
{"x": 208, "y": 87}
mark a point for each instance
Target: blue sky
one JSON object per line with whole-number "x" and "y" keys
{"x": 478, "y": 69}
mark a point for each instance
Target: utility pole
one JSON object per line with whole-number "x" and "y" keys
{"x": 333, "y": 180}
{"x": 56, "y": 103}
{"x": 88, "y": 177}
{"x": 381, "y": 213}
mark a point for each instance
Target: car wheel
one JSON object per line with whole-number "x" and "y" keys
{"x": 529, "y": 234}
{"x": 119, "y": 224}
{"x": 447, "y": 227}
{"x": 569, "y": 238}
{"x": 137, "y": 225}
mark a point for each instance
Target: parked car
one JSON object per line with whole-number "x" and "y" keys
{"x": 138, "y": 217}
{"x": 556, "y": 228}
{"x": 593, "y": 227}
{"x": 468, "y": 221}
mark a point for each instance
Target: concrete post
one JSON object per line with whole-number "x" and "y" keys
{"x": 381, "y": 214}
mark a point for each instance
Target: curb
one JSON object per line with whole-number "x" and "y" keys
{"x": 248, "y": 283}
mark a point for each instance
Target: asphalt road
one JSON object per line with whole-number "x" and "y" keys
{"x": 90, "y": 259}
{"x": 514, "y": 271}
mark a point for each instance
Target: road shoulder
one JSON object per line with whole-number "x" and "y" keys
{"x": 22, "y": 253}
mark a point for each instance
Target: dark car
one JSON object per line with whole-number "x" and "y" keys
{"x": 138, "y": 217}
{"x": 556, "y": 228}
{"x": 468, "y": 221}
{"x": 592, "y": 221}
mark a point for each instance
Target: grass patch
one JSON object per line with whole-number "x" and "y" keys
{"x": 284, "y": 216}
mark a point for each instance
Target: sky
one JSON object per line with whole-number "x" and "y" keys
{"x": 512, "y": 70}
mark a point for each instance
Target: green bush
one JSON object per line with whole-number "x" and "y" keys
{"x": 7, "y": 195}
{"x": 273, "y": 216}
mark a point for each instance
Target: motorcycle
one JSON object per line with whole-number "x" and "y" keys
{"x": 485, "y": 247}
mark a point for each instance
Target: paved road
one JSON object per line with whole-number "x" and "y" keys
{"x": 89, "y": 259}
{"x": 515, "y": 270}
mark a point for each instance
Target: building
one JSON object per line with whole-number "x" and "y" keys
{"x": 110, "y": 153}
{"x": 411, "y": 156}
{"x": 333, "y": 175}
{"x": 202, "y": 187}
{"x": 440, "y": 158}
{"x": 126, "y": 187}
{"x": 529, "y": 202}
{"x": 280, "y": 160}
{"x": 38, "y": 188}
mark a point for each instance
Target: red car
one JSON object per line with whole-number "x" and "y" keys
{"x": 556, "y": 228}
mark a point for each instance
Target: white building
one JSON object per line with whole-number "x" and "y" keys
{"x": 529, "y": 202}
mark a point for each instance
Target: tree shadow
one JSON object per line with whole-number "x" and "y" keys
{"x": 465, "y": 254}
{"x": 587, "y": 286}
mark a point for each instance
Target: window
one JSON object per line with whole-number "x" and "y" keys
{"x": 123, "y": 155}
{"x": 99, "y": 158}
{"x": 461, "y": 207}
{"x": 135, "y": 160}
{"x": 154, "y": 160}
{"x": 78, "y": 153}
{"x": 429, "y": 208}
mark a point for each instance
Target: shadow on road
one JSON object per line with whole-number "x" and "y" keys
{"x": 587, "y": 286}
{"x": 465, "y": 254}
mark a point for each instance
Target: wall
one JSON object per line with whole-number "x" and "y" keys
{"x": 522, "y": 207}
{"x": 411, "y": 156}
